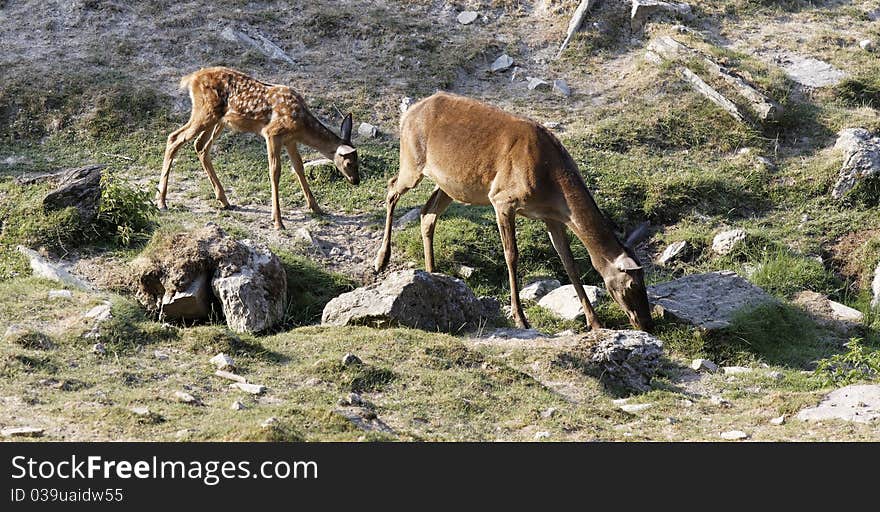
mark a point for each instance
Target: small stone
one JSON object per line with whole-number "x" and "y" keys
{"x": 736, "y": 370}
{"x": 552, "y": 125}
{"x": 560, "y": 86}
{"x": 726, "y": 241}
{"x": 254, "y": 389}
{"x": 502, "y": 63}
{"x": 467, "y": 17}
{"x": 269, "y": 422}
{"x": 542, "y": 435}
{"x": 161, "y": 356}
{"x": 465, "y": 271}
{"x": 867, "y": 45}
{"x": 409, "y": 217}
{"x": 98, "y": 348}
{"x": 672, "y": 252}
{"x": 778, "y": 421}
{"x": 222, "y": 362}
{"x": 776, "y": 375}
{"x": 734, "y": 435}
{"x": 538, "y": 289}
{"x": 367, "y": 130}
{"x": 405, "y": 103}
{"x": 548, "y": 413}
{"x": 356, "y": 400}
{"x": 230, "y": 376}
{"x": 60, "y": 294}
{"x": 634, "y": 408}
{"x": 22, "y": 432}
{"x": 185, "y": 397}
{"x": 704, "y": 365}
{"x": 146, "y": 415}
{"x": 671, "y": 420}
{"x": 534, "y": 83}
{"x": 237, "y": 406}
{"x": 100, "y": 313}
{"x": 350, "y": 359}
{"x": 717, "y": 400}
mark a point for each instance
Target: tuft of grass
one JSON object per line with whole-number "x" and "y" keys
{"x": 783, "y": 274}
{"x": 860, "y": 91}
{"x": 309, "y": 289}
{"x": 858, "y": 363}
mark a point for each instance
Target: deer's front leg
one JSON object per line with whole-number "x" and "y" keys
{"x": 274, "y": 151}
{"x": 299, "y": 169}
{"x": 383, "y": 255}
{"x": 505, "y": 214}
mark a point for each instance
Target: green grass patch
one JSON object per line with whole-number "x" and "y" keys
{"x": 309, "y": 289}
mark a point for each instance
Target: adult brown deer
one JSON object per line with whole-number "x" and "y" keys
{"x": 225, "y": 97}
{"x": 479, "y": 154}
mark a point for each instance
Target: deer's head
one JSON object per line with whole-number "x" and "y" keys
{"x": 346, "y": 158}
{"x": 625, "y": 281}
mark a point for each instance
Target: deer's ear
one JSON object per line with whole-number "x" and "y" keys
{"x": 345, "y": 131}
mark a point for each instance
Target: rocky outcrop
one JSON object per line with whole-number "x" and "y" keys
{"x": 861, "y": 159}
{"x": 644, "y": 9}
{"x": 193, "y": 274}
{"x": 726, "y": 241}
{"x": 79, "y": 188}
{"x": 673, "y": 252}
{"x": 827, "y": 312}
{"x": 412, "y": 298}
{"x": 708, "y": 301}
{"x": 627, "y": 359}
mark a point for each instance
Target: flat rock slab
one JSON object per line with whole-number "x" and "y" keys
{"x": 412, "y": 298}
{"x": 859, "y": 403}
{"x": 809, "y": 71}
{"x": 708, "y": 301}
{"x": 21, "y": 432}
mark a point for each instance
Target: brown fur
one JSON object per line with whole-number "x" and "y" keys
{"x": 479, "y": 154}
{"x": 224, "y": 97}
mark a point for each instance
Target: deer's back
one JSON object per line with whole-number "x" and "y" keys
{"x": 472, "y": 149}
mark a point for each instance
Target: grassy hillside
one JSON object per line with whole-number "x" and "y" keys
{"x": 102, "y": 87}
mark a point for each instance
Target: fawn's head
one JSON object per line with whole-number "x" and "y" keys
{"x": 625, "y": 281}
{"x": 346, "y": 158}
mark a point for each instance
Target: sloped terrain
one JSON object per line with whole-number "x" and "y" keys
{"x": 96, "y": 82}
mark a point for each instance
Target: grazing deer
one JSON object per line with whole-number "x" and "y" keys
{"x": 226, "y": 97}
{"x": 479, "y": 154}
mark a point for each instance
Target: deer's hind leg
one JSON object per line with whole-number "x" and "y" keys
{"x": 178, "y": 138}
{"x": 203, "y": 149}
{"x": 436, "y": 205}
{"x": 556, "y": 230}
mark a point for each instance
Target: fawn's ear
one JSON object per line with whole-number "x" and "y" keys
{"x": 345, "y": 131}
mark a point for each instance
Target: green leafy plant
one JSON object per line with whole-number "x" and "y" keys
{"x": 858, "y": 363}
{"x": 128, "y": 213}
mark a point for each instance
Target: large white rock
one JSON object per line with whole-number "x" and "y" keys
{"x": 502, "y": 63}
{"x": 708, "y": 301}
{"x": 538, "y": 289}
{"x": 467, "y": 17}
{"x": 726, "y": 241}
{"x": 252, "y": 293}
{"x": 41, "y": 267}
{"x": 564, "y": 302}
{"x": 861, "y": 159}
{"x": 412, "y": 298}
{"x": 809, "y": 71}
{"x": 858, "y": 403}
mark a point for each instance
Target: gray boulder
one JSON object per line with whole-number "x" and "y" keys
{"x": 80, "y": 188}
{"x": 502, "y": 63}
{"x": 185, "y": 276}
{"x": 252, "y": 293}
{"x": 538, "y": 289}
{"x": 624, "y": 358}
{"x": 564, "y": 302}
{"x": 708, "y": 301}
{"x": 808, "y": 71}
{"x": 827, "y": 312}
{"x": 861, "y": 159}
{"x": 411, "y": 298}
